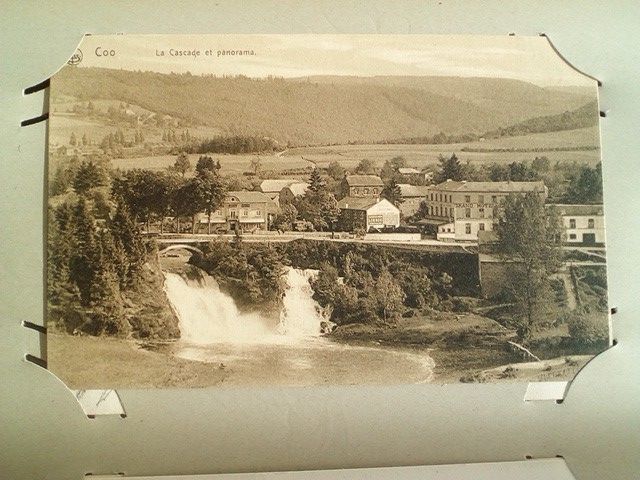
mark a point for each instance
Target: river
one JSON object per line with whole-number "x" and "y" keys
{"x": 254, "y": 350}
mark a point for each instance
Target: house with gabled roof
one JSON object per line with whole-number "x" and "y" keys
{"x": 242, "y": 211}
{"x": 369, "y": 186}
{"x": 370, "y": 214}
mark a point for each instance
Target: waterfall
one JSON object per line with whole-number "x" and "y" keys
{"x": 208, "y": 315}
{"x": 300, "y": 316}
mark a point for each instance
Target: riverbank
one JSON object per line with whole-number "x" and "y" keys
{"x": 84, "y": 362}
{"x": 465, "y": 347}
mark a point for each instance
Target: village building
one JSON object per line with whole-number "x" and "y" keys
{"x": 412, "y": 196}
{"x": 273, "y": 187}
{"x": 413, "y": 176}
{"x": 369, "y": 214}
{"x": 242, "y": 211}
{"x": 291, "y": 192}
{"x": 583, "y": 224}
{"x": 460, "y": 210}
{"x": 363, "y": 186}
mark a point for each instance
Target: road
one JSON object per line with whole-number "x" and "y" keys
{"x": 424, "y": 244}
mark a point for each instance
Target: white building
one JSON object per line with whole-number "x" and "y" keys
{"x": 583, "y": 224}
{"x": 368, "y": 213}
{"x": 460, "y": 210}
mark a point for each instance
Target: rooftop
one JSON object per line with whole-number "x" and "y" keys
{"x": 579, "y": 210}
{"x": 246, "y": 196}
{"x": 275, "y": 185}
{"x": 413, "y": 191}
{"x": 358, "y": 203}
{"x": 408, "y": 170}
{"x": 364, "y": 181}
{"x": 507, "y": 187}
{"x": 298, "y": 189}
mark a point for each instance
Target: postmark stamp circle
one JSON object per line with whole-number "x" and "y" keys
{"x": 76, "y": 58}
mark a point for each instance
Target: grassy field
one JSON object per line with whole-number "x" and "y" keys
{"x": 418, "y": 156}
{"x": 231, "y": 164}
{"x": 73, "y": 360}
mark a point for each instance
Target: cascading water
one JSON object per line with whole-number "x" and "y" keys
{"x": 300, "y": 316}
{"x": 209, "y": 316}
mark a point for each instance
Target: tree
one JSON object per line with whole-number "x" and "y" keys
{"x": 210, "y": 187}
{"x": 187, "y": 202}
{"x": 73, "y": 140}
{"x": 390, "y": 168}
{"x": 206, "y": 164}
{"x": 541, "y": 165}
{"x": 85, "y": 139}
{"x": 316, "y": 183}
{"x": 87, "y": 177}
{"x": 530, "y": 236}
{"x": 335, "y": 170}
{"x": 256, "y": 165}
{"x": 182, "y": 164}
{"x": 389, "y": 295}
{"x": 142, "y": 191}
{"x": 129, "y": 251}
{"x": 450, "y": 169}
{"x": 392, "y": 192}
{"x": 586, "y": 186}
{"x": 318, "y": 205}
{"x": 365, "y": 167}
{"x": 287, "y": 216}
{"x": 82, "y": 260}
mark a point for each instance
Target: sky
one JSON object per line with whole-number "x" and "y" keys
{"x": 530, "y": 59}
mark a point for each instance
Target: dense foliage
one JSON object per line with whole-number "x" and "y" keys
{"x": 254, "y": 272}
{"x": 530, "y": 236}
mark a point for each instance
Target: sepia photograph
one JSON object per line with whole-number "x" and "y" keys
{"x": 304, "y": 210}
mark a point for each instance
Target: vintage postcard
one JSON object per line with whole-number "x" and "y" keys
{"x": 274, "y": 210}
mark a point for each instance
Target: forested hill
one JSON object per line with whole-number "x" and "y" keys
{"x": 326, "y": 109}
{"x": 585, "y": 116}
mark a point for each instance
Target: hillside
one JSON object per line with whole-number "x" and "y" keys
{"x": 583, "y": 117}
{"x": 322, "y": 110}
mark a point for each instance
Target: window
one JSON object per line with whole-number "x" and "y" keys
{"x": 432, "y": 196}
{"x": 245, "y": 213}
{"x": 480, "y": 198}
{"x": 245, "y": 205}
{"x": 572, "y": 236}
{"x": 258, "y": 213}
{"x": 431, "y": 210}
{"x": 366, "y": 190}
{"x": 375, "y": 190}
{"x": 481, "y": 211}
{"x": 233, "y": 214}
{"x": 467, "y": 198}
{"x": 572, "y": 223}
{"x": 591, "y": 223}
{"x": 467, "y": 228}
{"x": 467, "y": 212}
{"x": 481, "y": 227}
{"x": 494, "y": 198}
{"x": 356, "y": 191}
{"x": 376, "y": 219}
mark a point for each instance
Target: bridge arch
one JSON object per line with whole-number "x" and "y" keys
{"x": 189, "y": 248}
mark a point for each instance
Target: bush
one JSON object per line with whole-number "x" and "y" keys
{"x": 589, "y": 328}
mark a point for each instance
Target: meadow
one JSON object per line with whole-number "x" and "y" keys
{"x": 418, "y": 156}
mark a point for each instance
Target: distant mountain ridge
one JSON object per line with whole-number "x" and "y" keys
{"x": 325, "y": 110}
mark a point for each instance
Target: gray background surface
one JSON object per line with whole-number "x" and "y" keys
{"x": 208, "y": 431}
